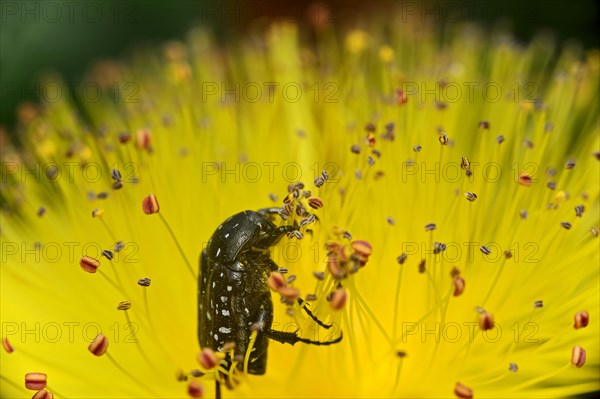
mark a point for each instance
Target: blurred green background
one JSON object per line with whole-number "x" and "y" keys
{"x": 69, "y": 35}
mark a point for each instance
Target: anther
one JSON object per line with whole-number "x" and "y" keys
{"x": 355, "y": 149}
{"x": 117, "y": 185}
{"x": 525, "y": 179}
{"x": 290, "y": 294}
{"x": 208, "y": 359}
{"x": 528, "y": 144}
{"x": 579, "y": 210}
{"x": 566, "y": 225}
{"x": 7, "y": 346}
{"x": 462, "y": 391}
{"x": 538, "y": 304}
{"x": 581, "y": 319}
{"x": 283, "y": 270}
{"x": 35, "y": 381}
{"x": 195, "y": 389}
{"x": 99, "y": 345}
{"x": 578, "y": 356}
{"x": 507, "y": 254}
{"x": 459, "y": 285}
{"x": 594, "y": 231}
{"x": 570, "y": 164}
{"x": 319, "y": 275}
{"x": 115, "y": 174}
{"x": 422, "y": 266}
{"x": 150, "y": 205}
{"x": 486, "y": 321}
{"x": 500, "y": 139}
{"x": 297, "y": 234}
{"x": 124, "y": 305}
{"x": 291, "y": 279}
{"x": 196, "y": 373}
{"x": 390, "y": 220}
{"x": 438, "y": 247}
{"x": 89, "y": 264}
{"x": 107, "y": 254}
{"x": 465, "y": 164}
{"x": 443, "y": 138}
{"x": 417, "y": 148}
{"x": 119, "y": 245}
{"x": 551, "y": 185}
{"x": 43, "y": 394}
{"x": 273, "y": 197}
{"x": 276, "y": 281}
{"x": 181, "y": 376}
{"x": 346, "y": 234}
{"x": 41, "y": 211}
{"x": 315, "y": 202}
{"x": 513, "y": 367}
{"x": 96, "y": 213}
{"x": 430, "y": 227}
{"x": 402, "y": 258}
{"x": 102, "y": 195}
{"x": 311, "y": 297}
{"x": 338, "y": 299}
{"x": 362, "y": 247}
{"x": 401, "y": 354}
{"x": 523, "y": 214}
{"x": 485, "y": 250}
{"x": 142, "y": 141}
{"x": 370, "y": 160}
{"x": 124, "y": 137}
{"x": 484, "y": 125}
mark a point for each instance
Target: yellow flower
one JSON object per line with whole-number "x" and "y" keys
{"x": 457, "y": 237}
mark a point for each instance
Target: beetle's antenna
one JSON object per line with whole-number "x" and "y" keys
{"x": 312, "y": 316}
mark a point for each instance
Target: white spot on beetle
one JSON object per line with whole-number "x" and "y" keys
{"x": 246, "y": 310}
{"x": 227, "y": 235}
{"x": 225, "y": 330}
{"x": 224, "y": 299}
{"x": 236, "y": 225}
{"x": 221, "y": 275}
{"x": 225, "y": 312}
{"x": 229, "y": 288}
{"x": 218, "y": 251}
{"x": 208, "y": 316}
{"x": 213, "y": 284}
{"x": 216, "y": 337}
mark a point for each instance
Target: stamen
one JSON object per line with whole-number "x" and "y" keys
{"x": 35, "y": 381}
{"x": 579, "y": 210}
{"x": 7, "y": 346}
{"x": 338, "y": 299}
{"x": 566, "y": 225}
{"x": 208, "y": 359}
{"x": 99, "y": 345}
{"x": 195, "y": 389}
{"x": 402, "y": 258}
{"x": 581, "y": 319}
{"x": 578, "y": 356}
{"x": 315, "y": 202}
{"x": 459, "y": 285}
{"x": 570, "y": 164}
{"x": 89, "y": 264}
{"x": 462, "y": 391}
{"x": 470, "y": 196}
{"x": 43, "y": 394}
{"x": 486, "y": 321}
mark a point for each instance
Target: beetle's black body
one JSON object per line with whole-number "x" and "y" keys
{"x": 233, "y": 295}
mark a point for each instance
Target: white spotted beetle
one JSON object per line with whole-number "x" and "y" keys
{"x": 233, "y": 296}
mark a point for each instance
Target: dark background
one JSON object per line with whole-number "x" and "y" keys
{"x": 69, "y": 35}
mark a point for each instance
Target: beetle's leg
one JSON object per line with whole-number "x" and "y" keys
{"x": 269, "y": 211}
{"x": 218, "y": 389}
{"x": 275, "y": 235}
{"x": 292, "y": 338}
{"x": 312, "y": 316}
